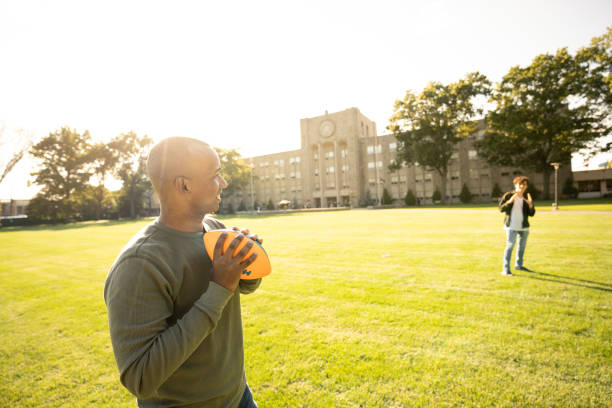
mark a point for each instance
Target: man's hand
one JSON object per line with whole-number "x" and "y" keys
{"x": 529, "y": 200}
{"x": 245, "y": 231}
{"x": 511, "y": 200}
{"x": 227, "y": 269}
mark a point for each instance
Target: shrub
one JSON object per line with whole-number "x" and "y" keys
{"x": 496, "y": 192}
{"x": 386, "y": 197}
{"x": 270, "y": 205}
{"x": 410, "y": 199}
{"x": 465, "y": 196}
{"x": 437, "y": 196}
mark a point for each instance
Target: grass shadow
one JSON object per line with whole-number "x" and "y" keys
{"x": 605, "y": 287}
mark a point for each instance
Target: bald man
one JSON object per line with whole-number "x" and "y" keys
{"x": 174, "y": 314}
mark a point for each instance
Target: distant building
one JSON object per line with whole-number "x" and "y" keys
{"x": 594, "y": 183}
{"x": 342, "y": 161}
{"x": 12, "y": 208}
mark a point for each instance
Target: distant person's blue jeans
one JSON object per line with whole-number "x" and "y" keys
{"x": 520, "y": 250}
{"x": 247, "y": 400}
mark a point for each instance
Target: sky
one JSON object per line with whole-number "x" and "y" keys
{"x": 241, "y": 74}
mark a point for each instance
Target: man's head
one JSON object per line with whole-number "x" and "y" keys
{"x": 520, "y": 184}
{"x": 186, "y": 175}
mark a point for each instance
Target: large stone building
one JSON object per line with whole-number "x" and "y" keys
{"x": 342, "y": 162}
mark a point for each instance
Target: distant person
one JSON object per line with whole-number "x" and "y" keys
{"x": 174, "y": 314}
{"x": 518, "y": 208}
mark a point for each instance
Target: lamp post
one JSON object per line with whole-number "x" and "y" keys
{"x": 252, "y": 196}
{"x": 556, "y": 166}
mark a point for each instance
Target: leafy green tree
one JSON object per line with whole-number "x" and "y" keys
{"x": 557, "y": 105}
{"x": 386, "y": 197}
{"x": 429, "y": 125}
{"x": 270, "y": 205}
{"x": 234, "y": 170}
{"x": 104, "y": 158}
{"x": 410, "y": 198}
{"x": 242, "y": 206}
{"x": 465, "y": 196}
{"x": 65, "y": 167}
{"x": 131, "y": 151}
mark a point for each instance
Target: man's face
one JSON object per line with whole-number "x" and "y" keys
{"x": 207, "y": 183}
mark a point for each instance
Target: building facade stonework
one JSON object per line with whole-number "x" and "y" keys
{"x": 343, "y": 162}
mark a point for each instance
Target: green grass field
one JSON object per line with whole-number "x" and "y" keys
{"x": 371, "y": 308}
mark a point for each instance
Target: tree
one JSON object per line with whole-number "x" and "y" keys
{"x": 465, "y": 196}
{"x": 410, "y": 199}
{"x": 429, "y": 125}
{"x": 557, "y": 105}
{"x": 234, "y": 170}
{"x": 104, "y": 160}
{"x": 64, "y": 168}
{"x": 131, "y": 151}
{"x": 386, "y": 197}
{"x": 270, "y": 205}
{"x": 18, "y": 144}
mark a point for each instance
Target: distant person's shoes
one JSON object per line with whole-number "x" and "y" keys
{"x": 522, "y": 268}
{"x": 507, "y": 273}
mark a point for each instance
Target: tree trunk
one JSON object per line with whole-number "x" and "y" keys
{"x": 443, "y": 174}
{"x": 132, "y": 209}
{"x": 546, "y": 177}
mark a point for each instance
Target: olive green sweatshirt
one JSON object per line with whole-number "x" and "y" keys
{"x": 177, "y": 336}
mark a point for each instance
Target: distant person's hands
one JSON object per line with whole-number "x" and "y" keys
{"x": 227, "y": 269}
{"x": 529, "y": 200}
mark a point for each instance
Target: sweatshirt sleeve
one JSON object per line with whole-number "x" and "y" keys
{"x": 148, "y": 350}
{"x": 248, "y": 286}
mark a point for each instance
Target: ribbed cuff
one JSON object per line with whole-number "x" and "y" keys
{"x": 213, "y": 301}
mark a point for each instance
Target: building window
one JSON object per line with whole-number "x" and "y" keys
{"x": 343, "y": 153}
{"x": 316, "y": 156}
{"x": 472, "y": 154}
{"x": 473, "y": 173}
{"x": 484, "y": 173}
{"x": 589, "y": 186}
{"x": 316, "y": 172}
{"x": 392, "y": 146}
{"x": 297, "y": 174}
{"x": 455, "y": 155}
{"x": 329, "y": 170}
{"x": 428, "y": 177}
{"x": 329, "y": 155}
{"x": 370, "y": 165}
{"x": 379, "y": 164}
{"x": 282, "y": 176}
{"x": 297, "y": 159}
{"x": 291, "y": 160}
{"x": 505, "y": 173}
{"x": 394, "y": 179}
{"x": 281, "y": 162}
{"x": 345, "y": 168}
{"x": 372, "y": 180}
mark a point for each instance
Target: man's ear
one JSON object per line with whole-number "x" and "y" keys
{"x": 182, "y": 185}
